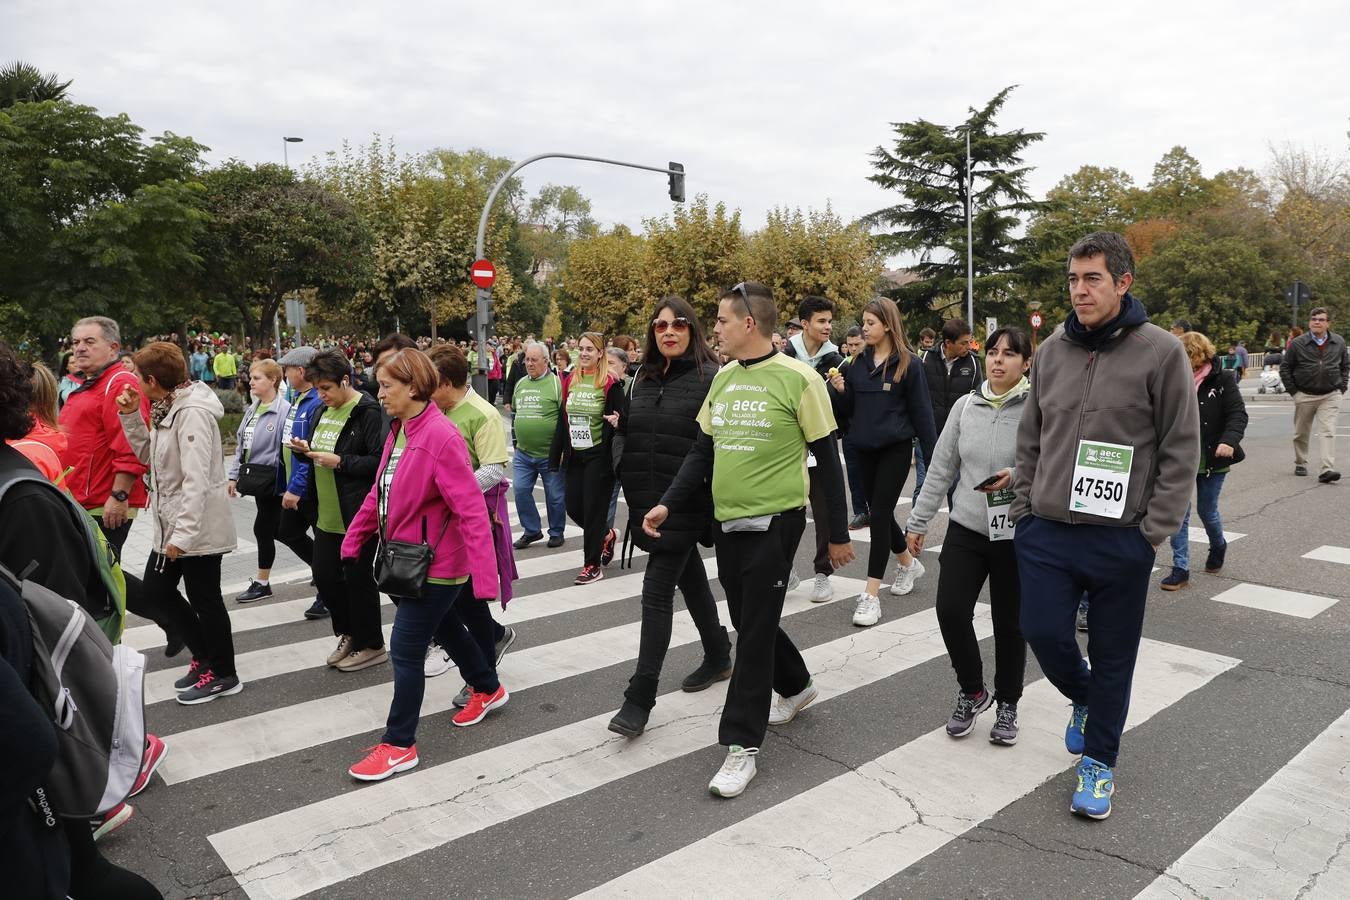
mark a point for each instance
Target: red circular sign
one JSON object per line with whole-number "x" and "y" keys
{"x": 1036, "y": 320}
{"x": 483, "y": 273}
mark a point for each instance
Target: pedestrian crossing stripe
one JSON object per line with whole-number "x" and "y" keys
{"x": 1327, "y": 553}
{"x": 1276, "y": 600}
{"x": 302, "y": 850}
{"x": 852, "y": 832}
{"x": 1287, "y": 839}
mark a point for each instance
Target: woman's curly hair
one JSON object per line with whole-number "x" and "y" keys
{"x": 16, "y": 395}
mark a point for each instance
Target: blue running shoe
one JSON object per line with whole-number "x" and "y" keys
{"x": 1096, "y": 784}
{"x": 1074, "y": 735}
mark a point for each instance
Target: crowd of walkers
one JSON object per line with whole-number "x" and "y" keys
{"x": 1062, "y": 468}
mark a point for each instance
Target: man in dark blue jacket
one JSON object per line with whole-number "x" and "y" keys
{"x": 305, "y": 408}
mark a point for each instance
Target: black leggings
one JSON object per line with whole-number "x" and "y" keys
{"x": 883, "y": 473}
{"x": 201, "y": 619}
{"x": 968, "y": 558}
{"x": 267, "y": 531}
{"x": 349, "y": 590}
{"x": 589, "y": 484}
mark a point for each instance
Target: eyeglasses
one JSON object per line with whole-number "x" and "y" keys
{"x": 679, "y": 323}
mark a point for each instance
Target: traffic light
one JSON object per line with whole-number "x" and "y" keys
{"x": 677, "y": 182}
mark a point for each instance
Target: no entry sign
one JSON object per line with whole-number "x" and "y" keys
{"x": 483, "y": 273}
{"x": 1036, "y": 320}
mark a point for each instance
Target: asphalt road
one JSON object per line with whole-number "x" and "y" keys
{"x": 859, "y": 796}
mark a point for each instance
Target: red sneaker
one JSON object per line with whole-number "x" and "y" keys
{"x": 589, "y": 574}
{"x": 384, "y": 760}
{"x": 155, "y": 751}
{"x": 112, "y": 820}
{"x": 479, "y": 705}
{"x": 607, "y": 549}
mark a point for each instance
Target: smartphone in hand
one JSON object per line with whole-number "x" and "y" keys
{"x": 988, "y": 482}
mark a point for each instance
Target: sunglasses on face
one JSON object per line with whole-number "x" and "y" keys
{"x": 679, "y": 323}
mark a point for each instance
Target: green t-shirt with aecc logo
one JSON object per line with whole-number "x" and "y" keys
{"x": 536, "y": 402}
{"x": 324, "y": 440}
{"x": 585, "y": 411}
{"x": 480, "y": 425}
{"x": 760, "y": 419}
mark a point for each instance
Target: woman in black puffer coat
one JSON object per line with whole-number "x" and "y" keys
{"x": 653, "y": 439}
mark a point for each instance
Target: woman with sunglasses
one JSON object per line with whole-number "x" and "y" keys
{"x": 655, "y": 435}
{"x": 592, "y": 402}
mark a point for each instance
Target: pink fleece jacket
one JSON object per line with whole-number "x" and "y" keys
{"x": 434, "y": 479}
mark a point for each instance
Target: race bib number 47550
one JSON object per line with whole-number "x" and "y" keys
{"x": 1101, "y": 479}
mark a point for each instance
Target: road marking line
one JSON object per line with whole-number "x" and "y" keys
{"x": 1286, "y": 839}
{"x": 1276, "y": 600}
{"x": 1327, "y": 553}
{"x": 851, "y": 833}
{"x": 305, "y": 849}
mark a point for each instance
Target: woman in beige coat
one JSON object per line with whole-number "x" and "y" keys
{"x": 192, "y": 527}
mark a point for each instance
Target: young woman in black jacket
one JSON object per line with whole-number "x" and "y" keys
{"x": 882, "y": 399}
{"x": 1223, "y": 422}
{"x": 344, "y": 447}
{"x": 654, "y": 437}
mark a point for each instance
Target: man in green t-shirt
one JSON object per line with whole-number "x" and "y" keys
{"x": 535, "y": 403}
{"x": 763, "y": 412}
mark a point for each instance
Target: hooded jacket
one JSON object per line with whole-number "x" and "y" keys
{"x": 96, "y": 449}
{"x": 980, "y": 439}
{"x": 656, "y": 434}
{"x": 189, "y": 505}
{"x": 1223, "y": 418}
{"x": 1128, "y": 382}
{"x": 433, "y": 484}
{"x": 266, "y": 449}
{"x": 827, "y": 356}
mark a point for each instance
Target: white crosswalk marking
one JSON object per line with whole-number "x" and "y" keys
{"x": 297, "y": 852}
{"x": 1330, "y": 554}
{"x": 1287, "y": 839}
{"x": 1277, "y": 600}
{"x": 849, "y": 834}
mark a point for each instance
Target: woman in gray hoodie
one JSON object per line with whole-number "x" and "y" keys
{"x": 978, "y": 448}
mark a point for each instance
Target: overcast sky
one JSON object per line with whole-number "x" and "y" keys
{"x": 766, "y": 104}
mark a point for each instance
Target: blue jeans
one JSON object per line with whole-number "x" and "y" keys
{"x": 613, "y": 504}
{"x": 1207, "y": 489}
{"x": 856, "y": 489}
{"x": 524, "y": 468}
{"x": 417, "y": 622}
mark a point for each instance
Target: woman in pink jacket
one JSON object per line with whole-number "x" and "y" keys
{"x": 425, "y": 486}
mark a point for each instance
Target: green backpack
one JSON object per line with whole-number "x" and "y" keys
{"x": 109, "y": 610}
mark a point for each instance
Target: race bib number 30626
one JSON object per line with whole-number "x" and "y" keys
{"x": 1101, "y": 479}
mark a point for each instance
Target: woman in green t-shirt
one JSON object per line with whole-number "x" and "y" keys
{"x": 592, "y": 402}
{"x": 344, "y": 449}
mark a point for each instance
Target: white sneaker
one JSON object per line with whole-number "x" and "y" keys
{"x": 737, "y": 772}
{"x": 437, "y": 661}
{"x": 868, "y": 610}
{"x": 793, "y": 580}
{"x": 823, "y": 592}
{"x": 785, "y": 709}
{"x": 905, "y": 576}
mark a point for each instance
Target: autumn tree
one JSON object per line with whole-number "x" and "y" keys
{"x": 926, "y": 166}
{"x": 604, "y": 281}
{"x": 696, "y": 253}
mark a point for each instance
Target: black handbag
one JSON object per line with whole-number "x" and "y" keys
{"x": 256, "y": 480}
{"x": 401, "y": 567}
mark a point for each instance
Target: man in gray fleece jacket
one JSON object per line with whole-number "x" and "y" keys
{"x": 1107, "y": 452}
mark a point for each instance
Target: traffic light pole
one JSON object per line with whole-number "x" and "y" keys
{"x": 484, "y": 295}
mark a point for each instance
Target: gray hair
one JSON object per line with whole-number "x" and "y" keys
{"x": 111, "y": 333}
{"x": 536, "y": 345}
{"x": 1119, "y": 259}
{"x": 618, "y": 353}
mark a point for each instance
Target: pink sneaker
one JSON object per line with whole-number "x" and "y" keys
{"x": 480, "y": 705}
{"x": 155, "y": 751}
{"x": 384, "y": 760}
{"x": 112, "y": 820}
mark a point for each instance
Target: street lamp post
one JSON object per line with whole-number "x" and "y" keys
{"x": 970, "y": 258}
{"x": 285, "y": 154}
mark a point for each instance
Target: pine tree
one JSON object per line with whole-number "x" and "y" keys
{"x": 927, "y": 166}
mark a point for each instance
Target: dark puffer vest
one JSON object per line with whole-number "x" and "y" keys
{"x": 658, "y": 433}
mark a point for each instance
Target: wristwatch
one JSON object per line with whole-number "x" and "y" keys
{"x": 120, "y": 496}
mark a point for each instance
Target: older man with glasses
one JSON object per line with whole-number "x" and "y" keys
{"x": 536, "y": 401}
{"x": 1315, "y": 371}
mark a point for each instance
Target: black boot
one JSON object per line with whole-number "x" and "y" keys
{"x": 715, "y": 667}
{"x": 630, "y": 721}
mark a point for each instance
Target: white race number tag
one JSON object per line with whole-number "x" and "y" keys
{"x": 1101, "y": 479}
{"x": 579, "y": 428}
{"x": 810, "y": 460}
{"x": 998, "y": 503}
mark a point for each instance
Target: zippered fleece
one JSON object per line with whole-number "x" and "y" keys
{"x": 1135, "y": 388}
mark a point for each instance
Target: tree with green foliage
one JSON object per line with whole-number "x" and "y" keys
{"x": 604, "y": 281}
{"x": 696, "y": 253}
{"x": 24, "y": 83}
{"x": 272, "y": 234}
{"x": 96, "y": 221}
{"x": 926, "y": 166}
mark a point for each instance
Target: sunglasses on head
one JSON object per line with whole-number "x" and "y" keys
{"x": 740, "y": 291}
{"x": 679, "y": 323}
